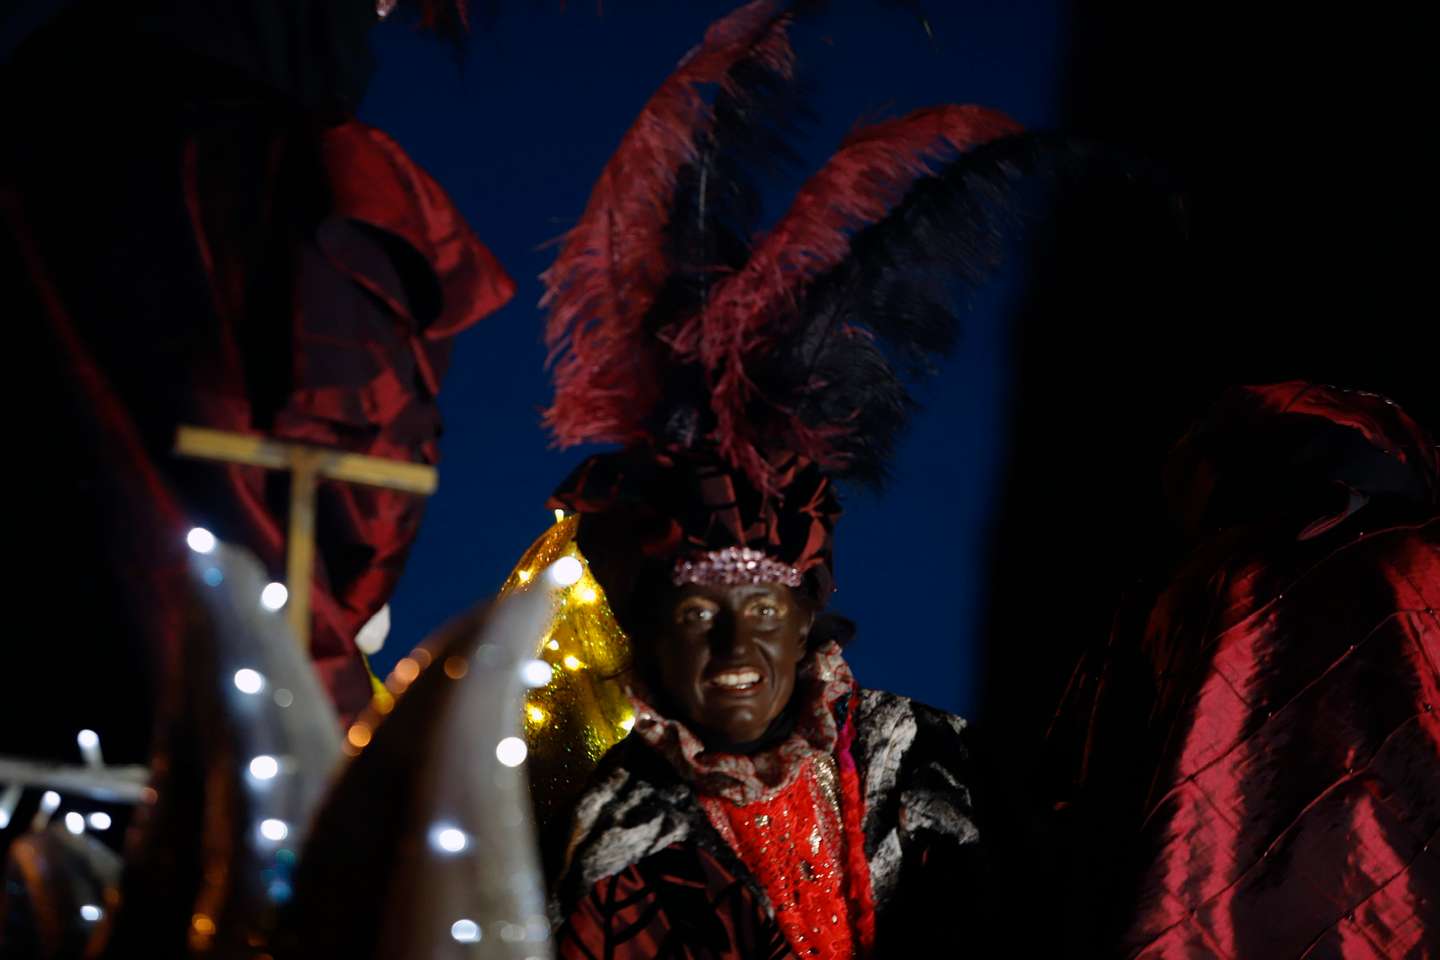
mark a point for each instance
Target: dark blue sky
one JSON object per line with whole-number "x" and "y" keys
{"x": 517, "y": 137}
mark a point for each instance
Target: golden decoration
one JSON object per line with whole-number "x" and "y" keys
{"x": 583, "y": 710}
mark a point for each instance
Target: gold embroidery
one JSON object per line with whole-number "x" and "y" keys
{"x": 827, "y": 777}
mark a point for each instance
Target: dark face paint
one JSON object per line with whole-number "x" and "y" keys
{"x": 726, "y": 655}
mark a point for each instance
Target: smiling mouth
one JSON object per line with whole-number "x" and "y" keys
{"x": 735, "y": 681}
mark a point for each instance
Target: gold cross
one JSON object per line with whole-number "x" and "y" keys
{"x": 308, "y": 466}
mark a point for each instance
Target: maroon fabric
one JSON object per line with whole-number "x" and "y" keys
{"x": 245, "y": 268}
{"x": 1264, "y": 745}
{"x": 679, "y": 903}
{"x": 154, "y": 566}
{"x": 390, "y": 275}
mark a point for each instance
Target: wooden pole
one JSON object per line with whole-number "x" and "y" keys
{"x": 300, "y": 543}
{"x": 308, "y": 466}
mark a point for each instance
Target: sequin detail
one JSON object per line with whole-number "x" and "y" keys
{"x": 794, "y": 843}
{"x": 735, "y": 565}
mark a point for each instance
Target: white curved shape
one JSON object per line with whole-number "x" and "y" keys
{"x": 372, "y": 636}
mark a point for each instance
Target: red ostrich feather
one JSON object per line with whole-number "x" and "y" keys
{"x": 614, "y": 262}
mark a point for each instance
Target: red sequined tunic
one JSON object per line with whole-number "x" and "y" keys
{"x": 794, "y": 843}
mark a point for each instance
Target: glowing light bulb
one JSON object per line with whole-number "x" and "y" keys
{"x": 75, "y": 823}
{"x": 537, "y": 673}
{"x": 89, "y": 742}
{"x": 90, "y": 913}
{"x": 511, "y": 751}
{"x": 359, "y": 734}
{"x": 587, "y": 595}
{"x": 49, "y": 801}
{"x": 274, "y": 830}
{"x": 448, "y": 838}
{"x": 249, "y": 681}
{"x": 274, "y": 595}
{"x": 465, "y": 931}
{"x": 536, "y": 714}
{"x": 566, "y": 571}
{"x": 406, "y": 670}
{"x": 200, "y": 540}
{"x": 572, "y": 662}
{"x": 100, "y": 820}
{"x": 264, "y": 767}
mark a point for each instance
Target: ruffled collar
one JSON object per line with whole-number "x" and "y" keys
{"x": 824, "y": 692}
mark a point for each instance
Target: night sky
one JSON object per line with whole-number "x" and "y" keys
{"x": 517, "y": 135}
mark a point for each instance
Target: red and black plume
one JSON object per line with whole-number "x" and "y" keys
{"x": 671, "y": 323}
{"x": 743, "y": 370}
{"x": 618, "y": 261}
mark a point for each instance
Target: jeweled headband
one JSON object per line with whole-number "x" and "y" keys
{"x": 735, "y": 565}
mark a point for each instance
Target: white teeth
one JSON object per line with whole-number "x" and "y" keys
{"x": 736, "y": 678}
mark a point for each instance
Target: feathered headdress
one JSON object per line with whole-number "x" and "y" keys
{"x": 743, "y": 372}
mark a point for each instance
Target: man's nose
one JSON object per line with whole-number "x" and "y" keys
{"x": 729, "y": 638}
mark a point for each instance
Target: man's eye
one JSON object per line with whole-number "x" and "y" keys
{"x": 766, "y": 610}
{"x": 698, "y": 615}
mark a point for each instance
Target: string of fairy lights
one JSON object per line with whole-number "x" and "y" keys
{"x": 574, "y": 708}
{"x": 76, "y": 821}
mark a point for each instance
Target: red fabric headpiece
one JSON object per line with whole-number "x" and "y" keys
{"x": 642, "y": 509}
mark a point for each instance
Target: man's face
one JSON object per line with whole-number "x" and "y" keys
{"x": 727, "y": 655}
